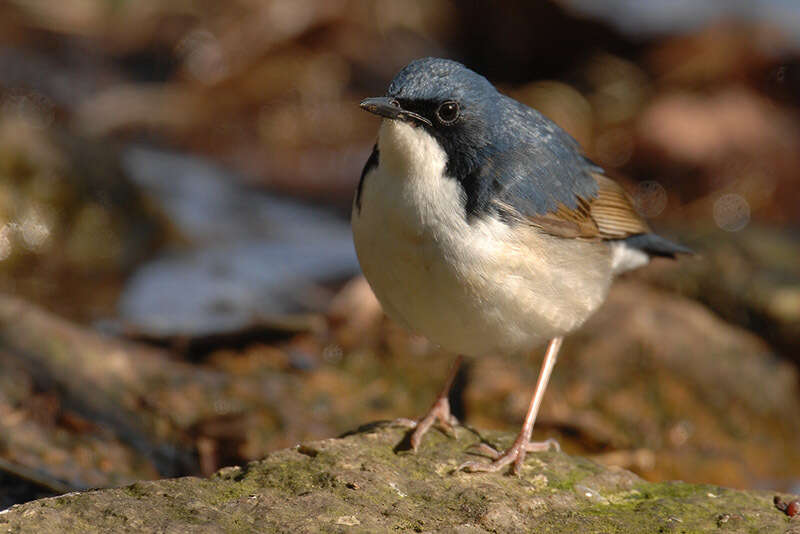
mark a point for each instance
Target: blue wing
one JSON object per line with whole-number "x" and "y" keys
{"x": 538, "y": 172}
{"x": 533, "y": 166}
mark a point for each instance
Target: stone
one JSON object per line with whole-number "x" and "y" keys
{"x": 350, "y": 485}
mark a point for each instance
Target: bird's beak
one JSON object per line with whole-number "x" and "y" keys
{"x": 390, "y": 108}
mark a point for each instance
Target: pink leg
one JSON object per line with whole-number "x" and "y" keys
{"x": 523, "y": 443}
{"x": 440, "y": 411}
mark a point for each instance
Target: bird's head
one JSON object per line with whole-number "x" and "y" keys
{"x": 445, "y": 100}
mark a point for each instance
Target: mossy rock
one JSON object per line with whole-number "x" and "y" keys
{"x": 359, "y": 483}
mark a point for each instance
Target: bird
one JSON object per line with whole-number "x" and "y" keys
{"x": 482, "y": 225}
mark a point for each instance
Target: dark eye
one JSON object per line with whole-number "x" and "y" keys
{"x": 447, "y": 112}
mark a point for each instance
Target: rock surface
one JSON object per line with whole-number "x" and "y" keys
{"x": 358, "y": 484}
{"x": 750, "y": 278}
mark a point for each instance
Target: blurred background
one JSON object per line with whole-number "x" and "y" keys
{"x": 178, "y": 287}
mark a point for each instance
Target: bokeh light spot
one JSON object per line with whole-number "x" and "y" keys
{"x": 650, "y": 198}
{"x": 731, "y": 212}
{"x": 34, "y": 230}
{"x": 203, "y": 56}
{"x": 5, "y": 242}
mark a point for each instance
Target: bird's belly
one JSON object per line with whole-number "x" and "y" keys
{"x": 472, "y": 287}
{"x": 420, "y": 291}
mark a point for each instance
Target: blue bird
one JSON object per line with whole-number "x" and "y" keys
{"x": 481, "y": 225}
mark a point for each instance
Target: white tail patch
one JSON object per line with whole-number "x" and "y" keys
{"x": 625, "y": 258}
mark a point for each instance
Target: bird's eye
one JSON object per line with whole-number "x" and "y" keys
{"x": 447, "y": 112}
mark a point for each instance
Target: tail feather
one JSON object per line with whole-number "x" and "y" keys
{"x": 655, "y": 245}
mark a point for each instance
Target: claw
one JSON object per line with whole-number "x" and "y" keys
{"x": 439, "y": 412}
{"x": 546, "y": 445}
{"x": 404, "y": 422}
{"x": 447, "y": 428}
{"x": 477, "y": 467}
{"x": 515, "y": 454}
{"x": 486, "y": 450}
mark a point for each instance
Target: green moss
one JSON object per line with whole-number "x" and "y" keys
{"x": 223, "y": 493}
{"x": 321, "y": 488}
{"x": 288, "y": 476}
{"x": 680, "y": 507}
{"x": 566, "y": 475}
{"x": 137, "y": 490}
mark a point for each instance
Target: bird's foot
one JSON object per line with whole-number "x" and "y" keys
{"x": 439, "y": 412}
{"x": 514, "y": 454}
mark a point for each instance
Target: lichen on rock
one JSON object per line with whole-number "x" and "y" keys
{"x": 357, "y": 483}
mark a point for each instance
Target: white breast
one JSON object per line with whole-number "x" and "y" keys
{"x": 473, "y": 287}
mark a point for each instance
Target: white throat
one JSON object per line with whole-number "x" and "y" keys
{"x": 417, "y": 195}
{"x": 407, "y": 150}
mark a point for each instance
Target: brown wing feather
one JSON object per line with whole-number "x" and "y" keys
{"x": 613, "y": 211}
{"x": 609, "y": 215}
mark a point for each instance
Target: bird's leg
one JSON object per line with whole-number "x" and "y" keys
{"x": 523, "y": 443}
{"x": 439, "y": 411}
